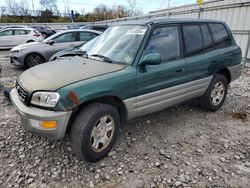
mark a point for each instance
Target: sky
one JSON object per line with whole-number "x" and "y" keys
{"x": 88, "y": 5}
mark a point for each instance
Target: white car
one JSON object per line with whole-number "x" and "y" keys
{"x": 15, "y": 36}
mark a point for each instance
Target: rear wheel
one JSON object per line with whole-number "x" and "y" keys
{"x": 34, "y": 59}
{"x": 30, "y": 41}
{"x": 94, "y": 131}
{"x": 216, "y": 93}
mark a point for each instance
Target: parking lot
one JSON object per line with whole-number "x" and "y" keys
{"x": 182, "y": 146}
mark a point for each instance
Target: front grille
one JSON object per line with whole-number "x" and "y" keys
{"x": 21, "y": 92}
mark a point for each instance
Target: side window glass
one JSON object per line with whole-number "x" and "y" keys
{"x": 19, "y": 32}
{"x": 220, "y": 35}
{"x": 27, "y": 31}
{"x": 207, "y": 39}
{"x": 6, "y": 33}
{"x": 85, "y": 36}
{"x": 193, "y": 39}
{"x": 67, "y": 37}
{"x": 164, "y": 41}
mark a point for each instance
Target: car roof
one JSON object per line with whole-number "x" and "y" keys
{"x": 155, "y": 21}
{"x": 87, "y": 30}
{"x": 23, "y": 28}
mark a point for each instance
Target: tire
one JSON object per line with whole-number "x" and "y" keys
{"x": 33, "y": 59}
{"x": 84, "y": 131}
{"x": 215, "y": 95}
{"x": 30, "y": 41}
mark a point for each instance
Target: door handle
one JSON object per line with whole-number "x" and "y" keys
{"x": 179, "y": 70}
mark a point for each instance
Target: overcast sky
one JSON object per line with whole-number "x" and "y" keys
{"x": 89, "y": 5}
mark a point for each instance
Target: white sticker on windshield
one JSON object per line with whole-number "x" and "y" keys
{"x": 136, "y": 31}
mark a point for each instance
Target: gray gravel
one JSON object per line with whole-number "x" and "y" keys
{"x": 181, "y": 146}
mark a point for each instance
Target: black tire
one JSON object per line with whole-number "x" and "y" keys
{"x": 206, "y": 101}
{"x": 82, "y": 127}
{"x": 30, "y": 41}
{"x": 33, "y": 59}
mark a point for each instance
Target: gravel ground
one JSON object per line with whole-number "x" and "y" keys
{"x": 179, "y": 147}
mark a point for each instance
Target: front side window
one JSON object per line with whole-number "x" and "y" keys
{"x": 6, "y": 33}
{"x": 164, "y": 41}
{"x": 193, "y": 39}
{"x": 66, "y": 37}
{"x": 119, "y": 43}
{"x": 220, "y": 35}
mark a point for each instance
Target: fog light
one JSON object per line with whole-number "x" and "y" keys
{"x": 49, "y": 124}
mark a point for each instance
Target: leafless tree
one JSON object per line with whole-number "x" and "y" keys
{"x": 23, "y": 8}
{"x": 3, "y": 11}
{"x": 133, "y": 8}
{"x": 20, "y": 8}
{"x": 50, "y": 5}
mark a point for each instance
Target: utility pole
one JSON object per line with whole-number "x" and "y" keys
{"x": 200, "y": 2}
{"x": 168, "y": 8}
{"x": 33, "y": 8}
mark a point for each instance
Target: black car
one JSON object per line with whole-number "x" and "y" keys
{"x": 46, "y": 31}
{"x": 78, "y": 50}
{"x": 101, "y": 28}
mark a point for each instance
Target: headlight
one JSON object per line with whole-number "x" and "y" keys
{"x": 16, "y": 50}
{"x": 45, "y": 99}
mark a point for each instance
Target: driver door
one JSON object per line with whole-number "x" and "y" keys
{"x": 162, "y": 85}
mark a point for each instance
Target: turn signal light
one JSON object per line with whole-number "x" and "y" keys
{"x": 49, "y": 124}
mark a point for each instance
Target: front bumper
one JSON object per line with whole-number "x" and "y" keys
{"x": 16, "y": 60}
{"x": 31, "y": 118}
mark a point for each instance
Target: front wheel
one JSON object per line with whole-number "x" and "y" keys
{"x": 94, "y": 131}
{"x": 34, "y": 59}
{"x": 216, "y": 93}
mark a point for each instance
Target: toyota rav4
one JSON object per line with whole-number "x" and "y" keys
{"x": 133, "y": 69}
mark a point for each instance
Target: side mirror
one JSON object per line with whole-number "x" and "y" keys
{"x": 51, "y": 42}
{"x": 151, "y": 59}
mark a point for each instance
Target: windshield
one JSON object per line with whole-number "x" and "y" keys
{"x": 119, "y": 43}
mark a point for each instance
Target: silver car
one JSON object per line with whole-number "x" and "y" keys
{"x": 35, "y": 53}
{"x": 11, "y": 37}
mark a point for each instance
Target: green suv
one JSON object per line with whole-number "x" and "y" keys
{"x": 133, "y": 69}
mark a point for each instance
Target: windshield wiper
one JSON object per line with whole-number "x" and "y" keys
{"x": 102, "y": 57}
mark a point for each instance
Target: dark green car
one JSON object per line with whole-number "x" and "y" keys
{"x": 133, "y": 69}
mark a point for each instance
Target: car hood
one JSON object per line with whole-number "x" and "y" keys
{"x": 27, "y": 45}
{"x": 54, "y": 75}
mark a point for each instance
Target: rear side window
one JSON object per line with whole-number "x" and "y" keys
{"x": 66, "y": 37}
{"x": 99, "y": 28}
{"x": 164, "y": 41}
{"x": 220, "y": 35}
{"x": 21, "y": 32}
{"x": 193, "y": 39}
{"x": 86, "y": 36}
{"x": 207, "y": 39}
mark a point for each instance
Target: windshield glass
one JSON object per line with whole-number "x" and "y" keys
{"x": 119, "y": 43}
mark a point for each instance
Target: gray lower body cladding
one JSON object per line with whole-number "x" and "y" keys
{"x": 159, "y": 100}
